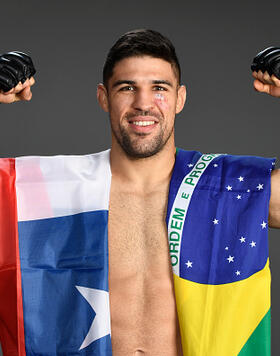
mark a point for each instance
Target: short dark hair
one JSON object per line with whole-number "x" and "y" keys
{"x": 137, "y": 43}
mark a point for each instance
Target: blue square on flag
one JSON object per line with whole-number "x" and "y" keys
{"x": 64, "y": 269}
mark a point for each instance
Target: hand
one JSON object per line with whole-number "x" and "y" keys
{"x": 18, "y": 93}
{"x": 265, "y": 83}
{"x": 16, "y": 77}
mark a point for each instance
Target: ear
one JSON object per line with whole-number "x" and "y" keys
{"x": 181, "y": 98}
{"x": 102, "y": 97}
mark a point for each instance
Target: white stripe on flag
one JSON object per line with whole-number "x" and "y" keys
{"x": 62, "y": 185}
{"x": 180, "y": 207}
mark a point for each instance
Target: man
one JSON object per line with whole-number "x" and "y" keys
{"x": 142, "y": 93}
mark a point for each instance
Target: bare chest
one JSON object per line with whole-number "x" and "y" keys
{"x": 137, "y": 228}
{"x": 143, "y": 309}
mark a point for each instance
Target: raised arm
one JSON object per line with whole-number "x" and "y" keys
{"x": 266, "y": 71}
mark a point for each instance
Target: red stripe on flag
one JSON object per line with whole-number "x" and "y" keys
{"x": 11, "y": 312}
{"x": 21, "y": 338}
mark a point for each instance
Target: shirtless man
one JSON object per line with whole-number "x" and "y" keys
{"x": 142, "y": 94}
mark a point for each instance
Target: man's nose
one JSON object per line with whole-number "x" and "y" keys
{"x": 143, "y": 100}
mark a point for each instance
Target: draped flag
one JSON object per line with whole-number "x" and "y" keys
{"x": 54, "y": 261}
{"x": 217, "y": 229}
{"x": 54, "y": 254}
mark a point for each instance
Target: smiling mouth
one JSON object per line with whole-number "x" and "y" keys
{"x": 142, "y": 123}
{"x": 140, "y": 120}
{"x": 142, "y": 126}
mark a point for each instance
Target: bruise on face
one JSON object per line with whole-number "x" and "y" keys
{"x": 161, "y": 101}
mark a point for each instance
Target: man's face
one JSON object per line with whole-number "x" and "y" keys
{"x": 143, "y": 98}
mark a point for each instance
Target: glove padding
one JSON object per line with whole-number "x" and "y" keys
{"x": 15, "y": 67}
{"x": 268, "y": 60}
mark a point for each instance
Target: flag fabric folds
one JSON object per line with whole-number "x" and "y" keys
{"x": 62, "y": 224}
{"x": 217, "y": 225}
{"x": 54, "y": 254}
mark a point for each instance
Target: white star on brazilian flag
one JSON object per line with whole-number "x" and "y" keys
{"x": 99, "y": 301}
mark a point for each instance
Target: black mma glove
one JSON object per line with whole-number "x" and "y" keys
{"x": 15, "y": 67}
{"x": 268, "y": 60}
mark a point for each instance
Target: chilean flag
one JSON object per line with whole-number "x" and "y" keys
{"x": 54, "y": 255}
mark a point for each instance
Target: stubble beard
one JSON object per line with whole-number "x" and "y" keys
{"x": 135, "y": 148}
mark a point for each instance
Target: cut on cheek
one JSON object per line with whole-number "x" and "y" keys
{"x": 161, "y": 101}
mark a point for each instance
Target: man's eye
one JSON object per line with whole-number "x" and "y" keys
{"x": 159, "y": 88}
{"x": 127, "y": 88}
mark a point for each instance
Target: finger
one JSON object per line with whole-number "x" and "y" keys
{"x": 267, "y": 78}
{"x": 18, "y": 87}
{"x": 275, "y": 80}
{"x": 261, "y": 87}
{"x": 25, "y": 94}
{"x": 255, "y": 74}
{"x": 25, "y": 84}
{"x": 32, "y": 81}
{"x": 260, "y": 75}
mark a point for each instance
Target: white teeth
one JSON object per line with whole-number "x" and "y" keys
{"x": 143, "y": 123}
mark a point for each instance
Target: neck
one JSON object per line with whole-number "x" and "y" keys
{"x": 143, "y": 173}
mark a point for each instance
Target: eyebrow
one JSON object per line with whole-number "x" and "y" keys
{"x": 167, "y": 82}
{"x": 132, "y": 82}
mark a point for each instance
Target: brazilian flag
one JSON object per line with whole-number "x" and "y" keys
{"x": 217, "y": 227}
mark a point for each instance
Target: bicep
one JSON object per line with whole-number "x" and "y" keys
{"x": 274, "y": 203}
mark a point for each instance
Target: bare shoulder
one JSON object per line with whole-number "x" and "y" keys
{"x": 275, "y": 183}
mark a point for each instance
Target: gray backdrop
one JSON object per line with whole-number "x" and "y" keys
{"x": 215, "y": 42}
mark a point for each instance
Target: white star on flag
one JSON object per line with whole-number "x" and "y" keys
{"x": 226, "y": 248}
{"x": 241, "y": 179}
{"x": 260, "y": 186}
{"x": 248, "y": 190}
{"x": 190, "y": 165}
{"x": 242, "y": 239}
{"x": 263, "y": 225}
{"x": 99, "y": 301}
{"x": 238, "y": 197}
{"x": 216, "y": 221}
{"x": 230, "y": 258}
{"x": 229, "y": 187}
{"x": 273, "y": 163}
{"x": 189, "y": 264}
{"x": 237, "y": 273}
{"x": 253, "y": 244}
{"x": 215, "y": 165}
